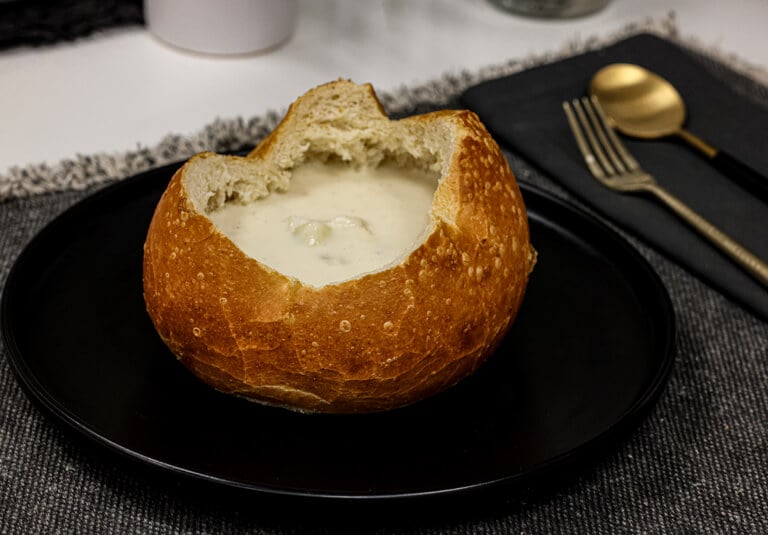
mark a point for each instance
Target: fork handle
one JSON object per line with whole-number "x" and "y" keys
{"x": 751, "y": 263}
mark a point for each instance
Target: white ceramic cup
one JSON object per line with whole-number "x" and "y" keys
{"x": 222, "y": 26}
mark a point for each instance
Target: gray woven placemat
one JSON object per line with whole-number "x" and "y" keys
{"x": 47, "y": 22}
{"x": 698, "y": 464}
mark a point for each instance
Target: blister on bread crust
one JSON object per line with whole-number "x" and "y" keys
{"x": 380, "y": 341}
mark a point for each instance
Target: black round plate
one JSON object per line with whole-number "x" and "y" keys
{"x": 589, "y": 355}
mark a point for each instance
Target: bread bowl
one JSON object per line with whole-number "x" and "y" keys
{"x": 371, "y": 339}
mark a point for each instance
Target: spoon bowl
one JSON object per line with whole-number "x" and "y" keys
{"x": 642, "y": 104}
{"x": 639, "y": 103}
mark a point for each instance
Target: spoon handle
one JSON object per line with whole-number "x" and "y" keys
{"x": 742, "y": 174}
{"x": 733, "y": 168}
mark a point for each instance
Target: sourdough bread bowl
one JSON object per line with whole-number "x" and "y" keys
{"x": 373, "y": 340}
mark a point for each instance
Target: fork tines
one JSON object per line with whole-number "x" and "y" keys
{"x": 603, "y": 152}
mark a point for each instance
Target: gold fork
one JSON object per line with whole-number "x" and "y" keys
{"x": 614, "y": 167}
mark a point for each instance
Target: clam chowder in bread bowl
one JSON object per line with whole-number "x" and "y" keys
{"x": 349, "y": 263}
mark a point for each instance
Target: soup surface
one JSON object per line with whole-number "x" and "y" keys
{"x": 335, "y": 222}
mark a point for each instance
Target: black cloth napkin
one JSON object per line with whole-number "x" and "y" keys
{"x": 524, "y": 112}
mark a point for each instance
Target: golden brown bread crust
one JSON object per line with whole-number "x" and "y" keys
{"x": 381, "y": 341}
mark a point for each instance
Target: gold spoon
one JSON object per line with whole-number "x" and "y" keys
{"x": 642, "y": 104}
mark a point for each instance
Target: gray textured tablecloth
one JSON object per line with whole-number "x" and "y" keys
{"x": 698, "y": 464}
